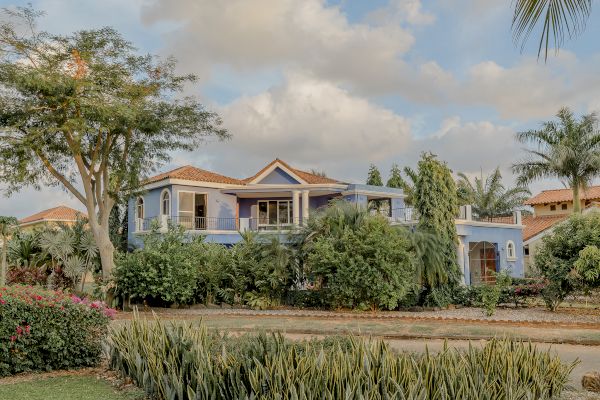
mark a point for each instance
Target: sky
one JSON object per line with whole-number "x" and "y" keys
{"x": 336, "y": 85}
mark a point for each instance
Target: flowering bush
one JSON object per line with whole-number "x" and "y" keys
{"x": 43, "y": 330}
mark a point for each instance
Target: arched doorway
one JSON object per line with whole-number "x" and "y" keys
{"x": 483, "y": 262}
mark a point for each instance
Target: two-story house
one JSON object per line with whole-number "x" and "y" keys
{"x": 279, "y": 198}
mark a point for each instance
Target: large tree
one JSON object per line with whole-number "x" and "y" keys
{"x": 489, "y": 197}
{"x": 560, "y": 19}
{"x": 437, "y": 205}
{"x": 87, "y": 112}
{"x": 567, "y": 149}
{"x": 397, "y": 181}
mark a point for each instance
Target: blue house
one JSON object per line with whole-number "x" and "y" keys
{"x": 279, "y": 198}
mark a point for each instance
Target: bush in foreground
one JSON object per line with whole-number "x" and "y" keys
{"x": 44, "y": 330}
{"x": 181, "y": 362}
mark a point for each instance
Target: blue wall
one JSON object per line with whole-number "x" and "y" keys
{"x": 498, "y": 235}
{"x": 278, "y": 177}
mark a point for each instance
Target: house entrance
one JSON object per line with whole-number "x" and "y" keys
{"x": 483, "y": 262}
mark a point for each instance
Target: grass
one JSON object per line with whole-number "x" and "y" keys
{"x": 66, "y": 388}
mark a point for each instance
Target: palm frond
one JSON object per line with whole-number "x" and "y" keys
{"x": 560, "y": 19}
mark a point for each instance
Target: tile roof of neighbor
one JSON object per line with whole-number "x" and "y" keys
{"x": 560, "y": 195}
{"x": 200, "y": 175}
{"x": 60, "y": 213}
{"x": 533, "y": 226}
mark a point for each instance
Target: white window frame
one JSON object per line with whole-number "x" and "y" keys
{"x": 267, "y": 225}
{"x": 139, "y": 220}
{"x": 510, "y": 244}
{"x": 137, "y": 207}
{"x": 162, "y": 201}
{"x": 193, "y": 206}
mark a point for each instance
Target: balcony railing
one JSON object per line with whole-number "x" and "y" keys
{"x": 212, "y": 224}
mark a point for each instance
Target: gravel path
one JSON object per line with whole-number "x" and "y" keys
{"x": 535, "y": 315}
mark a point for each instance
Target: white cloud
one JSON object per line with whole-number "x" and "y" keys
{"x": 310, "y": 122}
{"x": 400, "y": 11}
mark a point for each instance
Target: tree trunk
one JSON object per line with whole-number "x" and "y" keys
{"x": 3, "y": 272}
{"x": 106, "y": 250}
{"x": 576, "y": 200}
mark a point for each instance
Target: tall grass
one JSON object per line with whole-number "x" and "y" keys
{"x": 178, "y": 361}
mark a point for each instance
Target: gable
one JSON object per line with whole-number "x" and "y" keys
{"x": 278, "y": 177}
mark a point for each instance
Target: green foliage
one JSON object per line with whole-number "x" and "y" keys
{"x": 7, "y": 225}
{"x": 87, "y": 108}
{"x": 567, "y": 149}
{"x": 42, "y": 330}
{"x": 172, "y": 269}
{"x": 559, "y": 254}
{"x": 437, "y": 204}
{"x": 489, "y": 197}
{"x": 184, "y": 362}
{"x": 118, "y": 227}
{"x": 490, "y": 295}
{"x": 359, "y": 258}
{"x": 162, "y": 270}
{"x": 587, "y": 265}
{"x": 374, "y": 176}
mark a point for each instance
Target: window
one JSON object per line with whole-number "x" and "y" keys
{"x": 526, "y": 250}
{"x": 139, "y": 208}
{"x": 274, "y": 213}
{"x": 165, "y": 202}
{"x": 553, "y": 207}
{"x": 563, "y": 206}
{"x": 510, "y": 250}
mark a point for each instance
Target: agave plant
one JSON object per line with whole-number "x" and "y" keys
{"x": 182, "y": 361}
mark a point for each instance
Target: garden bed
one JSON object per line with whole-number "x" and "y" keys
{"x": 535, "y": 316}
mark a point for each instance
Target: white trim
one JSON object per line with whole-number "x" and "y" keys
{"x": 510, "y": 243}
{"x": 186, "y": 182}
{"x": 170, "y": 212}
{"x": 273, "y": 167}
{"x": 486, "y": 224}
{"x": 290, "y": 213}
{"x": 137, "y": 204}
{"x": 374, "y": 193}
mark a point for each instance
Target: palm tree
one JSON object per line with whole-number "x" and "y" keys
{"x": 489, "y": 197}
{"x": 560, "y": 18}
{"x": 7, "y": 224}
{"x": 567, "y": 149}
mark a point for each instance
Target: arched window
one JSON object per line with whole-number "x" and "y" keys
{"x": 165, "y": 202}
{"x": 511, "y": 253}
{"x": 139, "y": 208}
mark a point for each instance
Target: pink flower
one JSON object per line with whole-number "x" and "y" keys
{"x": 13, "y": 338}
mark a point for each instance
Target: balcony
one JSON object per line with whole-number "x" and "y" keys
{"x": 211, "y": 224}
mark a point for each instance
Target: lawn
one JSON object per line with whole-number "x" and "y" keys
{"x": 66, "y": 388}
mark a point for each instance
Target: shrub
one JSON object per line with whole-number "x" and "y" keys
{"x": 359, "y": 258}
{"x": 26, "y": 275}
{"x": 44, "y": 330}
{"x": 560, "y": 251}
{"x": 181, "y": 361}
{"x": 163, "y": 269}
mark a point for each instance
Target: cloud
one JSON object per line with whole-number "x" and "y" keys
{"x": 310, "y": 122}
{"x": 532, "y": 89}
{"x": 309, "y": 35}
{"x": 29, "y": 201}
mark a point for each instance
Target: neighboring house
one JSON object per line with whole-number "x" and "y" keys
{"x": 551, "y": 207}
{"x": 280, "y": 198}
{"x": 560, "y": 201}
{"x": 61, "y": 215}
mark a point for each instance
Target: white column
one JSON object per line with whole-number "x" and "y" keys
{"x": 304, "y": 206}
{"x": 460, "y": 252}
{"x": 296, "y": 207}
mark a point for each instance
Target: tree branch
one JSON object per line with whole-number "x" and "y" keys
{"x": 60, "y": 177}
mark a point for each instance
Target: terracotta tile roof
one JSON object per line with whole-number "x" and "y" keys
{"x": 60, "y": 213}
{"x": 532, "y": 226}
{"x": 306, "y": 176}
{"x": 194, "y": 174}
{"x": 561, "y": 195}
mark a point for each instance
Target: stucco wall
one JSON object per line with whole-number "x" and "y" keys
{"x": 495, "y": 234}
{"x": 278, "y": 177}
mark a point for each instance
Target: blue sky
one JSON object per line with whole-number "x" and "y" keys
{"x": 336, "y": 85}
